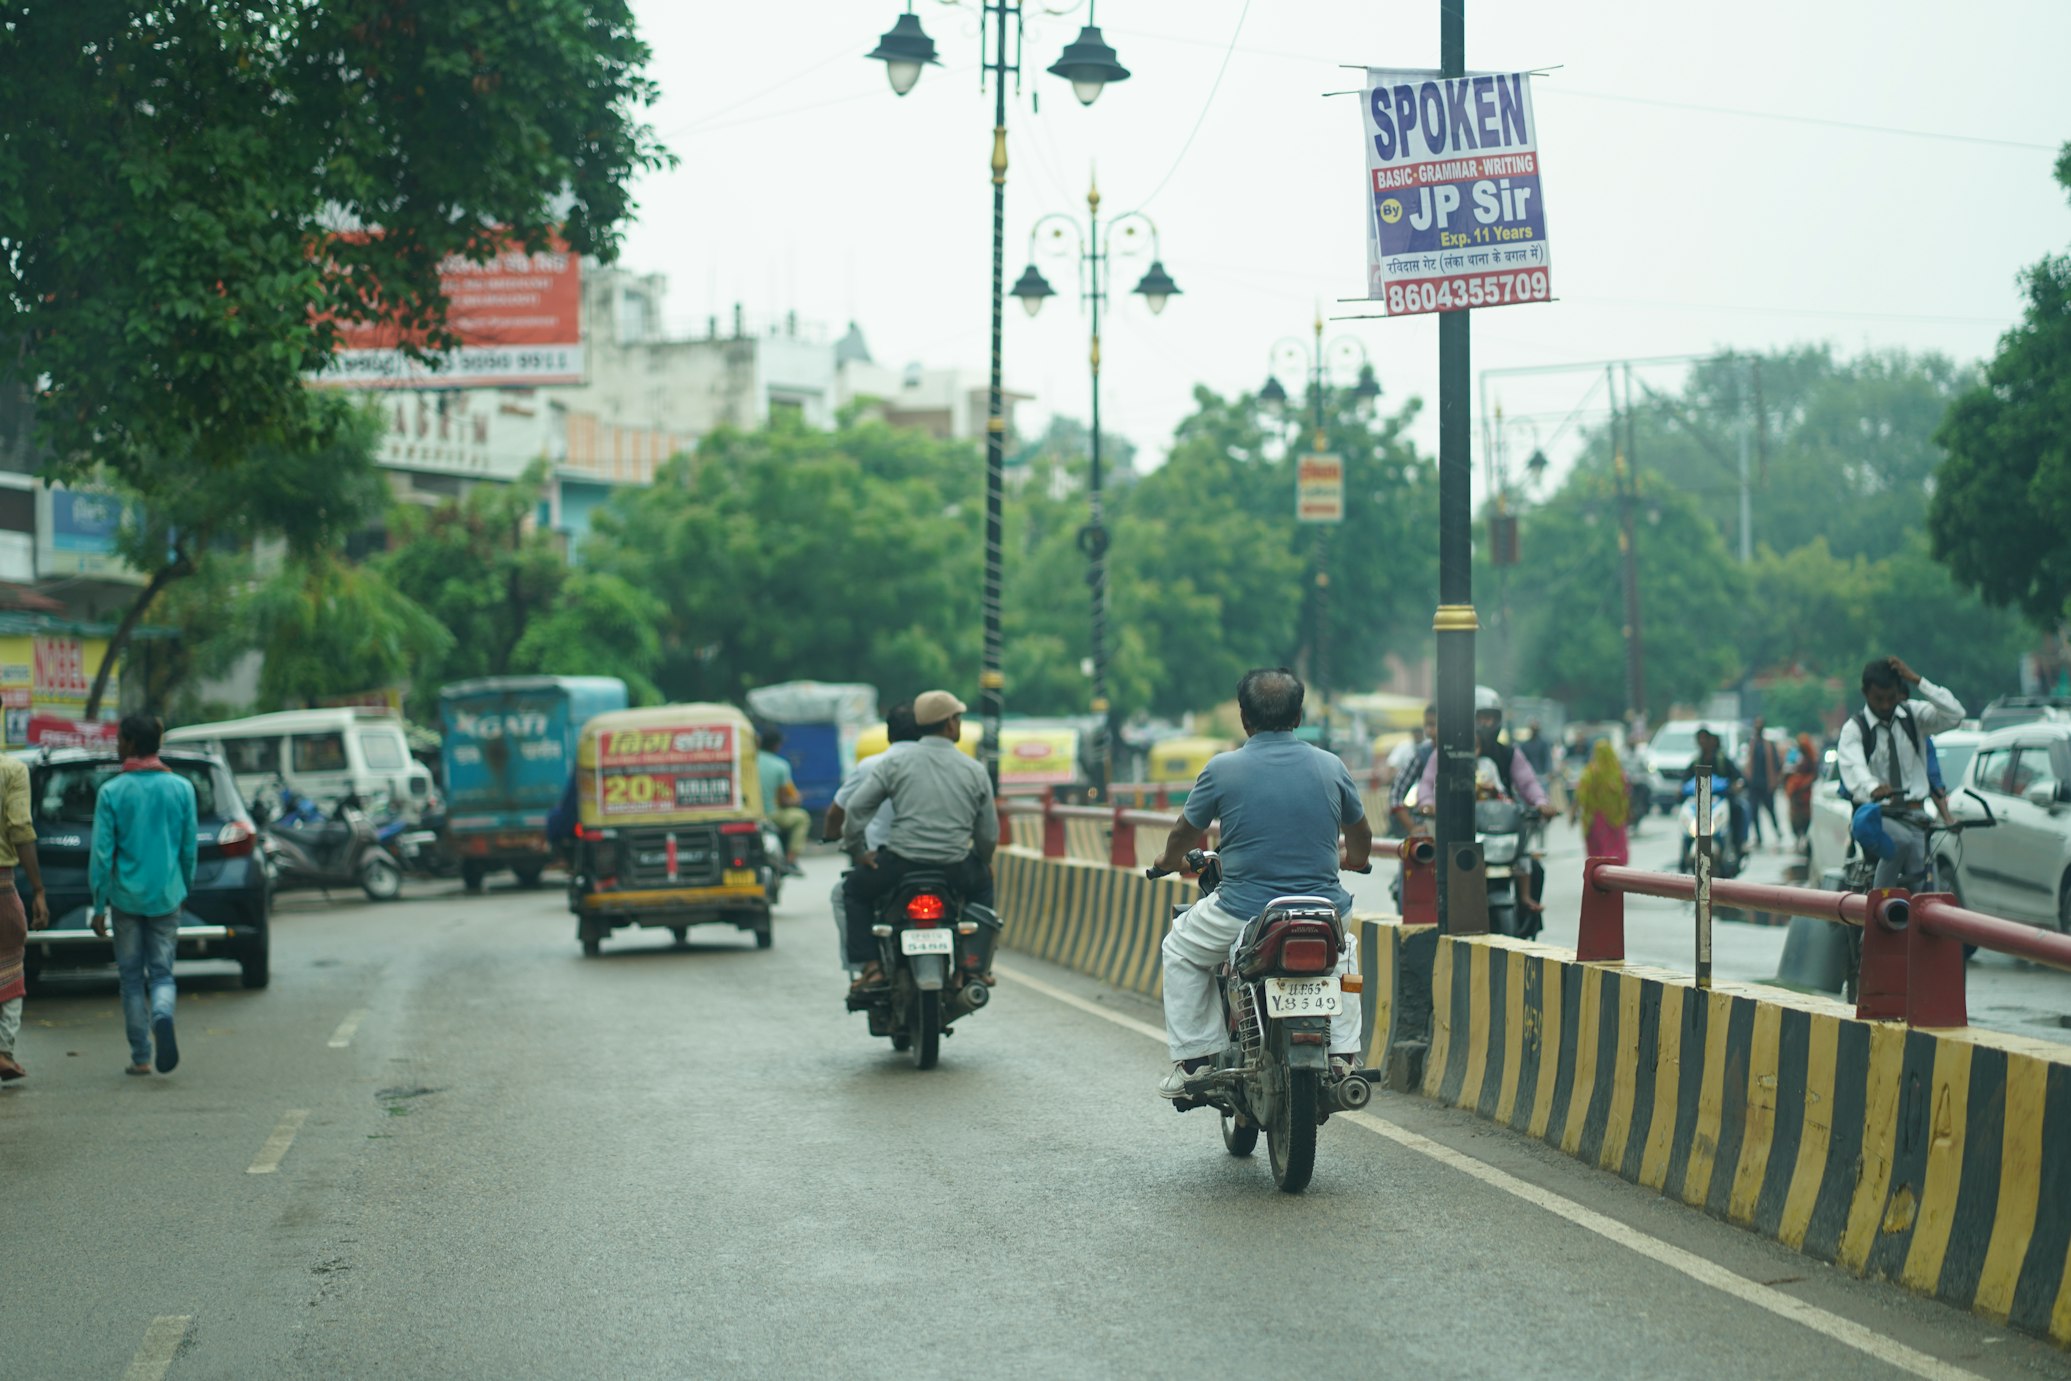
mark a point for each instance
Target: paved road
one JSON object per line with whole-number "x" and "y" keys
{"x": 2003, "y": 993}
{"x": 490, "y": 1157}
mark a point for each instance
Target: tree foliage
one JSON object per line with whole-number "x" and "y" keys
{"x": 2002, "y": 507}
{"x": 330, "y": 627}
{"x": 172, "y": 177}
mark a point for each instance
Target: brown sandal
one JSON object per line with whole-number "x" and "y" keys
{"x": 872, "y": 976}
{"x": 10, "y": 1071}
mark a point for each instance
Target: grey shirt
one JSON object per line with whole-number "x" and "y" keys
{"x": 941, "y": 802}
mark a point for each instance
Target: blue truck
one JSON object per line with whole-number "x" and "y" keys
{"x": 509, "y": 745}
{"x": 819, "y": 721}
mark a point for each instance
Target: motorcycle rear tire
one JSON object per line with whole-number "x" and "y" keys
{"x": 1291, "y": 1134}
{"x": 927, "y": 1028}
{"x": 1238, "y": 1139}
{"x": 380, "y": 879}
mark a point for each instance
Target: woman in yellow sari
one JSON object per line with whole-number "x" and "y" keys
{"x": 1603, "y": 803}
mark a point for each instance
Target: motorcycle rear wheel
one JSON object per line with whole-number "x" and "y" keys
{"x": 380, "y": 879}
{"x": 1291, "y": 1132}
{"x": 1239, "y": 1139}
{"x": 927, "y": 1028}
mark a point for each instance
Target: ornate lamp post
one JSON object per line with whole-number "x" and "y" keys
{"x": 1316, "y": 358}
{"x": 1156, "y": 288}
{"x": 1089, "y": 65}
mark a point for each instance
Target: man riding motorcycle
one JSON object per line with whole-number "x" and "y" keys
{"x": 1514, "y": 776}
{"x": 943, "y": 820}
{"x": 1282, "y": 804}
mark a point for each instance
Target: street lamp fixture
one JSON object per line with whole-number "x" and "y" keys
{"x": 1032, "y": 288}
{"x": 904, "y": 50}
{"x": 1089, "y": 65}
{"x": 1368, "y": 389}
{"x": 1157, "y": 287}
{"x": 1273, "y": 396}
{"x": 1536, "y": 466}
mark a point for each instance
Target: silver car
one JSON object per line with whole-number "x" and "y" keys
{"x": 2022, "y": 869}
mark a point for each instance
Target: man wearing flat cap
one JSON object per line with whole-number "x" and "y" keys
{"x": 943, "y": 821}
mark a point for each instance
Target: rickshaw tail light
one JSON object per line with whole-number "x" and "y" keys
{"x": 925, "y": 907}
{"x": 740, "y": 827}
{"x": 588, "y": 832}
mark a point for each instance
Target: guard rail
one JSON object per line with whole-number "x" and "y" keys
{"x": 1912, "y": 944}
{"x": 1122, "y": 823}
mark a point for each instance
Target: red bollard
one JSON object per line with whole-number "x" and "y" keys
{"x": 1880, "y": 984}
{"x": 1918, "y": 975}
{"x": 1601, "y": 938}
{"x": 1053, "y": 826}
{"x": 1121, "y": 842}
{"x": 1419, "y": 855}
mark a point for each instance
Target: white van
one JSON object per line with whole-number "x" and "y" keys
{"x": 321, "y": 753}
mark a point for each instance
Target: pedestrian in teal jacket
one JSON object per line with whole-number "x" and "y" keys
{"x": 144, "y": 835}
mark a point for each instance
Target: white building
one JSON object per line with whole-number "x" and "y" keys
{"x": 948, "y": 404}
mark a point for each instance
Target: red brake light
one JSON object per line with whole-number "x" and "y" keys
{"x": 740, "y": 827}
{"x": 588, "y": 832}
{"x": 1307, "y": 954}
{"x": 924, "y": 907}
{"x": 236, "y": 838}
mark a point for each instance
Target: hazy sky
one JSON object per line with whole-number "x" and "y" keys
{"x": 1709, "y": 183}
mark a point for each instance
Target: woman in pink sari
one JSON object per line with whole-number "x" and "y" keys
{"x": 1603, "y": 803}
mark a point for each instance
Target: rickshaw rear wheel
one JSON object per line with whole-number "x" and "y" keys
{"x": 681, "y": 933}
{"x": 765, "y": 937}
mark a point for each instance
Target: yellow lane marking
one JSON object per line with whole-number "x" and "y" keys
{"x": 342, "y": 1037}
{"x": 161, "y": 1340}
{"x": 1844, "y": 1331}
{"x": 277, "y": 1145}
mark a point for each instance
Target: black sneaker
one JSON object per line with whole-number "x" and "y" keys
{"x": 168, "y": 1048}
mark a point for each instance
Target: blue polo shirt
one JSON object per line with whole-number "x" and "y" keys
{"x": 1281, "y": 803}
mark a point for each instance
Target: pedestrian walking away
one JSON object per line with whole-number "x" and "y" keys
{"x": 144, "y": 833}
{"x": 1603, "y": 804}
{"x": 17, "y": 850}
{"x": 1801, "y": 773}
{"x": 1764, "y": 775}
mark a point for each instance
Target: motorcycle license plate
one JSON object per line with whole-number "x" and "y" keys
{"x": 927, "y": 942}
{"x": 1304, "y": 997}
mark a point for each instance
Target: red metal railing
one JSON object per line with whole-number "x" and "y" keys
{"x": 1912, "y": 945}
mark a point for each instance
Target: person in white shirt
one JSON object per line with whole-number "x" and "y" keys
{"x": 901, "y": 734}
{"x": 1883, "y": 758}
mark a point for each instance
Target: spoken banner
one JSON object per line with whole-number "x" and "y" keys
{"x": 1456, "y": 215}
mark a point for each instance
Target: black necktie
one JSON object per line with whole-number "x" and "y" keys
{"x": 1893, "y": 777}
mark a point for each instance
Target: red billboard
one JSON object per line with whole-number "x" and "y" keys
{"x": 518, "y": 318}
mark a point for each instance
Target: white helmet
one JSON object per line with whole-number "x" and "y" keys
{"x": 1486, "y": 701}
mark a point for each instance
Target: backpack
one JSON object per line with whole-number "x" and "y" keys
{"x": 1867, "y": 729}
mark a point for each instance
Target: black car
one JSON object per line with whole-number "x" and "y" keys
{"x": 225, "y": 916}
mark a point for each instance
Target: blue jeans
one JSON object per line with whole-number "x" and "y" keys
{"x": 144, "y": 958}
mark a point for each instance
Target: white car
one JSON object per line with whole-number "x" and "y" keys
{"x": 2021, "y": 869}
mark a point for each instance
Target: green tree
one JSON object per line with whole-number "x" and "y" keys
{"x": 207, "y": 515}
{"x": 598, "y": 626}
{"x": 2001, "y": 517}
{"x": 172, "y": 178}
{"x": 329, "y": 627}
{"x": 789, "y": 553}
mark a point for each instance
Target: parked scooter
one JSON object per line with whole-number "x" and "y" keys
{"x": 935, "y": 949}
{"x": 340, "y": 851}
{"x": 1726, "y": 856}
{"x": 1280, "y": 989}
{"x": 420, "y": 847}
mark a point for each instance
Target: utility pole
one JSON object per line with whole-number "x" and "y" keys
{"x": 1462, "y": 899}
{"x": 1626, "y": 478}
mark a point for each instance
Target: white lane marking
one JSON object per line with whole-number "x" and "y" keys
{"x": 342, "y": 1037}
{"x": 277, "y": 1145}
{"x": 161, "y": 1340}
{"x": 1704, "y": 1272}
{"x": 1141, "y": 1028}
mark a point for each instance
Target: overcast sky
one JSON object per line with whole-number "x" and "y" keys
{"x": 1749, "y": 176}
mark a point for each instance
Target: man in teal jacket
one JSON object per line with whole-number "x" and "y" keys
{"x": 144, "y": 834}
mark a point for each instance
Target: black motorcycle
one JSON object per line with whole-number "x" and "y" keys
{"x": 1280, "y": 989}
{"x": 342, "y": 850}
{"x": 935, "y": 949}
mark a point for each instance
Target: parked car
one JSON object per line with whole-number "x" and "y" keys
{"x": 2008, "y": 710}
{"x": 227, "y": 909}
{"x": 1668, "y": 753}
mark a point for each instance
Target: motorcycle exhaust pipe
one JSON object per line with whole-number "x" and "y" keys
{"x": 1351, "y": 1093}
{"x": 973, "y": 995}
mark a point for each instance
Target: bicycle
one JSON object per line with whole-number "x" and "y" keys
{"x": 1941, "y": 855}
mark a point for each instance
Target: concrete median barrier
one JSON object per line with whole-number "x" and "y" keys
{"x": 1939, "y": 1159}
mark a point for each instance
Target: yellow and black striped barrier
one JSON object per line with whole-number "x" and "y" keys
{"x": 1937, "y": 1159}
{"x": 1111, "y": 922}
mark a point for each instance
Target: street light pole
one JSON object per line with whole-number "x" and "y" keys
{"x": 1096, "y": 269}
{"x": 1089, "y": 65}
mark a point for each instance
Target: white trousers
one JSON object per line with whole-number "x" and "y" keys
{"x": 1195, "y": 948}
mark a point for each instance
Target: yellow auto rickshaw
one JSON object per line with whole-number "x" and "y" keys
{"x": 875, "y": 739}
{"x": 1178, "y": 761}
{"x": 669, "y": 824}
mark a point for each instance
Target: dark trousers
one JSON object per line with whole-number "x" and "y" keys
{"x": 862, "y": 887}
{"x": 1761, "y": 798}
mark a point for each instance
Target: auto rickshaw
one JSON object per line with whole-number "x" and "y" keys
{"x": 875, "y": 739}
{"x": 669, "y": 824}
{"x": 1178, "y": 761}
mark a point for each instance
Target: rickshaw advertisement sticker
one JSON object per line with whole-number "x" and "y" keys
{"x": 1038, "y": 757}
{"x": 1455, "y": 214}
{"x": 658, "y": 771}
